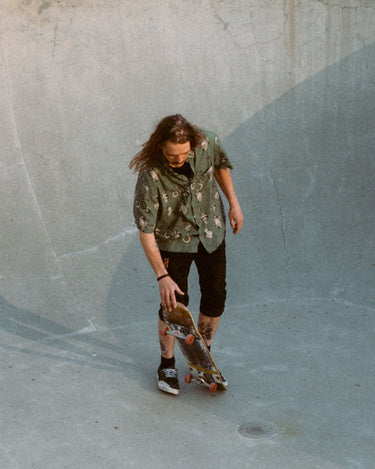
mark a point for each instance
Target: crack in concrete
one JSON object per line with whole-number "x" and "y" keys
{"x": 257, "y": 48}
{"x": 328, "y": 4}
{"x": 227, "y": 28}
{"x": 55, "y": 39}
{"x": 216, "y": 14}
{"x": 95, "y": 247}
{"x": 282, "y": 225}
{"x": 18, "y": 145}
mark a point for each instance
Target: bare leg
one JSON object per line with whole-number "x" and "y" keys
{"x": 207, "y": 327}
{"x": 166, "y": 341}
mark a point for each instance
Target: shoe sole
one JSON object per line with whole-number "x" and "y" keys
{"x": 166, "y": 388}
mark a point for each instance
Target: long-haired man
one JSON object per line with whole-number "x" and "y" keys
{"x": 180, "y": 217}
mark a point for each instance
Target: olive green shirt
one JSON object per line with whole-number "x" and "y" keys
{"x": 183, "y": 212}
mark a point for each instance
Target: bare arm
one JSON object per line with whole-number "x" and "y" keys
{"x": 167, "y": 287}
{"x": 224, "y": 179}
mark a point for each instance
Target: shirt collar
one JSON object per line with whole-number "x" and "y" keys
{"x": 190, "y": 159}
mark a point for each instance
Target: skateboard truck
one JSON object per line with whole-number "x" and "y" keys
{"x": 189, "y": 338}
{"x": 211, "y": 386}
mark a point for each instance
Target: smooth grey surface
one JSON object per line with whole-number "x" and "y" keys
{"x": 89, "y": 400}
{"x": 289, "y": 86}
{"x": 305, "y": 171}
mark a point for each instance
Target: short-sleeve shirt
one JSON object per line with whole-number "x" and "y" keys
{"x": 183, "y": 211}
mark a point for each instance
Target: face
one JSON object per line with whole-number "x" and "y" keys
{"x": 176, "y": 153}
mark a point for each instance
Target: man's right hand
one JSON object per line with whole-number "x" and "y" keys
{"x": 167, "y": 289}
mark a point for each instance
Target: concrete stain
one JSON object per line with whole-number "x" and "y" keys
{"x": 291, "y": 429}
{"x": 44, "y": 6}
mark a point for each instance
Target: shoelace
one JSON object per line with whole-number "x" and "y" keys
{"x": 170, "y": 373}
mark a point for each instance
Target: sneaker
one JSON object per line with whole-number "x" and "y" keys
{"x": 168, "y": 380}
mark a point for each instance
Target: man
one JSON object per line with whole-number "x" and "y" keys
{"x": 180, "y": 217}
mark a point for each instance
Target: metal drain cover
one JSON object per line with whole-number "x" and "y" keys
{"x": 257, "y": 430}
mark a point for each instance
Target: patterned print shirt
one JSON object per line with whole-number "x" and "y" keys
{"x": 182, "y": 212}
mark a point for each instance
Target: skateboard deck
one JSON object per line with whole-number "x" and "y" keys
{"x": 203, "y": 369}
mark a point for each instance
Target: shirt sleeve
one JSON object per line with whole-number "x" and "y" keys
{"x": 221, "y": 159}
{"x": 146, "y": 205}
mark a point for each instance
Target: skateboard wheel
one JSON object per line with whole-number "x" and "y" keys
{"x": 189, "y": 339}
{"x": 213, "y": 387}
{"x": 165, "y": 330}
{"x": 188, "y": 379}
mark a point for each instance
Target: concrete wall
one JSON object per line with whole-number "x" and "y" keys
{"x": 289, "y": 86}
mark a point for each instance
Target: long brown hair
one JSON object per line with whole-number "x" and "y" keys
{"x": 174, "y": 128}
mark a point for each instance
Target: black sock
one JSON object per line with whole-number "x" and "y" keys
{"x": 167, "y": 362}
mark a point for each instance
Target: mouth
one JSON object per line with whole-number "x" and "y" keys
{"x": 177, "y": 164}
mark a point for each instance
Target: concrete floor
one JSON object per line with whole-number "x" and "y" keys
{"x": 88, "y": 399}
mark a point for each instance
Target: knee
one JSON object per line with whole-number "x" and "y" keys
{"x": 213, "y": 306}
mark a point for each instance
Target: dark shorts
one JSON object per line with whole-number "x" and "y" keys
{"x": 211, "y": 271}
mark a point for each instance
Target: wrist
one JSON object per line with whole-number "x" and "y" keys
{"x": 162, "y": 276}
{"x": 234, "y": 204}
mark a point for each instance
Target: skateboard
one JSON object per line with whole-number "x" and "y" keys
{"x": 201, "y": 364}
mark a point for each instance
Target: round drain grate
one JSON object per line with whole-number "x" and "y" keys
{"x": 257, "y": 430}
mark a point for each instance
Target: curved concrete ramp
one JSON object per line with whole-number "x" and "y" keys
{"x": 290, "y": 88}
{"x": 305, "y": 169}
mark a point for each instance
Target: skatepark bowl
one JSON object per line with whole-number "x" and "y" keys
{"x": 289, "y": 87}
